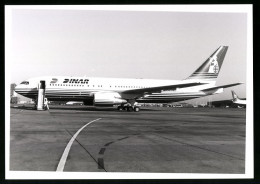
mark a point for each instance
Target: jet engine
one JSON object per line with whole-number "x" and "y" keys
{"x": 108, "y": 99}
{"x": 105, "y": 99}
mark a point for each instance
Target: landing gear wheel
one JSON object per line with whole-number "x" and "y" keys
{"x": 120, "y": 108}
{"x": 136, "y": 109}
{"x": 130, "y": 109}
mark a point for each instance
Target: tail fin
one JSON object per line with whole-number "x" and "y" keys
{"x": 209, "y": 70}
{"x": 234, "y": 95}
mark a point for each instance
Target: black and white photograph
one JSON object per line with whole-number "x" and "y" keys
{"x": 129, "y": 92}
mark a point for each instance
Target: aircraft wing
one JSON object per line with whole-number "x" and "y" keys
{"x": 223, "y": 86}
{"x": 159, "y": 88}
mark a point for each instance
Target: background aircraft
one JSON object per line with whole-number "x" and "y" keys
{"x": 241, "y": 102}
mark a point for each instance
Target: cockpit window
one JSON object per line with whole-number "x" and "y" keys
{"x": 25, "y": 82}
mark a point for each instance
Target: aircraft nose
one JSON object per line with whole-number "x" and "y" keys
{"x": 17, "y": 89}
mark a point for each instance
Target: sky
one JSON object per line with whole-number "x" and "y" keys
{"x": 127, "y": 44}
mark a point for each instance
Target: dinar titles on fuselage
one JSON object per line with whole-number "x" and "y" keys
{"x": 76, "y": 81}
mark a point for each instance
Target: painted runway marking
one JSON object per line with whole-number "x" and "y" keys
{"x": 67, "y": 149}
{"x": 107, "y": 144}
{"x": 101, "y": 153}
{"x": 101, "y": 163}
{"x": 122, "y": 138}
{"x": 102, "y": 150}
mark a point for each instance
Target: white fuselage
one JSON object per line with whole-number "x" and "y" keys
{"x": 64, "y": 88}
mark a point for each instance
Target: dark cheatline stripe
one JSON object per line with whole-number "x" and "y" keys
{"x": 177, "y": 97}
{"x": 174, "y": 96}
{"x": 26, "y": 91}
{"x": 103, "y": 103}
{"x": 169, "y": 99}
{"x": 160, "y": 101}
{"x": 201, "y": 72}
{"x": 65, "y": 96}
{"x": 69, "y": 90}
{"x": 206, "y": 74}
{"x": 57, "y": 94}
{"x": 203, "y": 76}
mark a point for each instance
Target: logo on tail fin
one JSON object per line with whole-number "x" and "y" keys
{"x": 213, "y": 68}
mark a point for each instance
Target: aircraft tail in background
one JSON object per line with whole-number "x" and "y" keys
{"x": 234, "y": 95}
{"x": 237, "y": 100}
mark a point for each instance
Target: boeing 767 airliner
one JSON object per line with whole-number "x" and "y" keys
{"x": 119, "y": 91}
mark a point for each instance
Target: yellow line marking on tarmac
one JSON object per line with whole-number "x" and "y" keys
{"x": 65, "y": 154}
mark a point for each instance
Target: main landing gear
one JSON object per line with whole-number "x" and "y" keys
{"x": 128, "y": 107}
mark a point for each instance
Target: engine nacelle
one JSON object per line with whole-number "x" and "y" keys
{"x": 108, "y": 99}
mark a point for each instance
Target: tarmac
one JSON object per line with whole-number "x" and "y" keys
{"x": 154, "y": 140}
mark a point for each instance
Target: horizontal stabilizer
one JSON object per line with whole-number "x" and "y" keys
{"x": 159, "y": 88}
{"x": 223, "y": 86}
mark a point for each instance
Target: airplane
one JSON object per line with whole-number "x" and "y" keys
{"x": 240, "y": 102}
{"x": 126, "y": 93}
